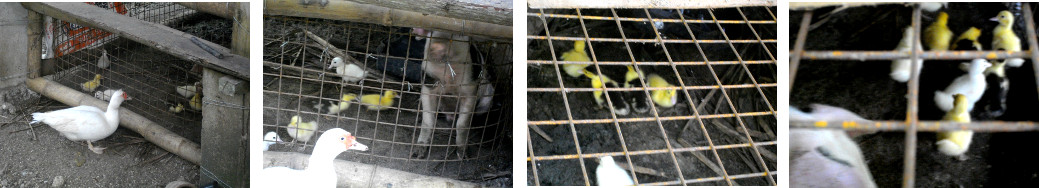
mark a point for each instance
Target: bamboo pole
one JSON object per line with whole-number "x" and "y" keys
{"x": 224, "y": 10}
{"x": 667, "y": 4}
{"x": 152, "y": 132}
{"x": 34, "y": 30}
{"x": 357, "y": 12}
{"x": 459, "y": 9}
{"x": 354, "y": 174}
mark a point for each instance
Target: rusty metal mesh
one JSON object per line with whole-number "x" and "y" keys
{"x": 721, "y": 62}
{"x": 296, "y": 78}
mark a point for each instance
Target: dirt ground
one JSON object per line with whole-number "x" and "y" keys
{"x": 37, "y": 157}
{"x": 865, "y": 88}
{"x": 598, "y": 138}
{"x": 389, "y": 134}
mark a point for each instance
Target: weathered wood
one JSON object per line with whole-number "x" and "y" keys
{"x": 224, "y": 10}
{"x": 357, "y": 12}
{"x": 34, "y": 30}
{"x": 240, "y": 30}
{"x": 483, "y": 11}
{"x": 815, "y": 5}
{"x": 157, "y": 36}
{"x": 225, "y": 129}
{"x": 354, "y": 174}
{"x": 149, "y": 130}
{"x": 667, "y": 4}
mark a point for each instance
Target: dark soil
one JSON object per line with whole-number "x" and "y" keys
{"x": 640, "y": 136}
{"x": 865, "y": 88}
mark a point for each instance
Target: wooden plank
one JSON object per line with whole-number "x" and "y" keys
{"x": 357, "y": 12}
{"x": 222, "y": 9}
{"x": 665, "y": 4}
{"x": 496, "y": 12}
{"x": 157, "y": 36}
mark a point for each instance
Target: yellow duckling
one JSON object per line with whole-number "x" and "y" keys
{"x": 301, "y": 131}
{"x": 91, "y": 85}
{"x": 956, "y": 143}
{"x": 598, "y": 83}
{"x": 968, "y": 40}
{"x": 343, "y": 104}
{"x": 1003, "y": 37}
{"x": 576, "y": 54}
{"x": 379, "y": 102}
{"x": 196, "y": 102}
{"x": 631, "y": 75}
{"x": 938, "y": 35}
{"x": 664, "y": 98}
{"x": 177, "y": 108}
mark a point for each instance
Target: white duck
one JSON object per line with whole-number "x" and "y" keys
{"x": 319, "y": 171}
{"x": 900, "y": 67}
{"x": 85, "y": 123}
{"x": 971, "y": 84}
{"x": 608, "y": 173}
{"x": 107, "y": 94}
{"x": 350, "y": 72}
{"x": 826, "y": 158}
{"x": 103, "y": 62}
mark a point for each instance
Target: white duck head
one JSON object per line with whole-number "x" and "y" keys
{"x": 331, "y": 143}
{"x": 978, "y": 66}
{"x": 336, "y": 62}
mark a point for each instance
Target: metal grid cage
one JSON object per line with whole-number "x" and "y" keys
{"x": 721, "y": 62}
{"x": 296, "y": 79}
{"x": 913, "y": 123}
{"x": 149, "y": 76}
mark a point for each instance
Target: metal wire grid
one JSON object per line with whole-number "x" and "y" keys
{"x": 675, "y": 62}
{"x": 912, "y": 124}
{"x": 148, "y": 76}
{"x": 295, "y": 71}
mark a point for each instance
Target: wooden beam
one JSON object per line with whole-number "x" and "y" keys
{"x": 128, "y": 119}
{"x": 224, "y": 10}
{"x": 460, "y": 9}
{"x": 664, "y": 4}
{"x": 357, "y": 12}
{"x": 157, "y": 36}
{"x": 34, "y": 30}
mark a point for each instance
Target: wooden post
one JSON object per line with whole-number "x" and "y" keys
{"x": 240, "y": 30}
{"x": 225, "y": 118}
{"x": 34, "y": 30}
{"x": 476, "y": 10}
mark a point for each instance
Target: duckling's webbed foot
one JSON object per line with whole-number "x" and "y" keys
{"x": 98, "y": 150}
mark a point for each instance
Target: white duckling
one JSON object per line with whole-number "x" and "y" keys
{"x": 107, "y": 94}
{"x": 608, "y": 173}
{"x": 269, "y": 139}
{"x": 103, "y": 62}
{"x": 350, "y": 72}
{"x": 900, "y": 67}
{"x": 85, "y": 123}
{"x": 826, "y": 158}
{"x": 971, "y": 85}
{"x": 319, "y": 171}
{"x": 188, "y": 90}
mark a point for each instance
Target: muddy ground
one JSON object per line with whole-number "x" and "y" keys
{"x": 598, "y": 138}
{"x": 995, "y": 159}
{"x": 389, "y": 134}
{"x": 36, "y": 157}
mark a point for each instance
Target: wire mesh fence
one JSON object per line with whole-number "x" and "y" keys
{"x": 718, "y": 128}
{"x": 298, "y": 82}
{"x": 916, "y": 101}
{"x": 98, "y": 62}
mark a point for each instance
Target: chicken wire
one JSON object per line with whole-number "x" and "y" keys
{"x": 720, "y": 132}
{"x": 296, "y": 78}
{"x": 149, "y": 76}
{"x": 912, "y": 124}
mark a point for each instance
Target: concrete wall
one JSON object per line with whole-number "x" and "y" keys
{"x": 12, "y": 44}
